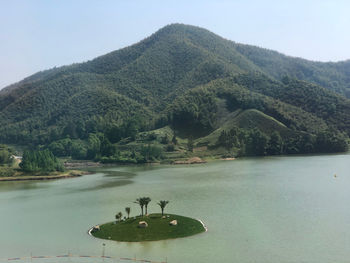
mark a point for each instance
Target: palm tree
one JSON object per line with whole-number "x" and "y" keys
{"x": 146, "y": 200}
{"x": 141, "y": 202}
{"x": 118, "y": 216}
{"x": 162, "y": 205}
{"x": 127, "y": 210}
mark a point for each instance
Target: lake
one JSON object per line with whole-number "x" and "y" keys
{"x": 271, "y": 209}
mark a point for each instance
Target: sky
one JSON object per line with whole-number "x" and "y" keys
{"x": 40, "y": 34}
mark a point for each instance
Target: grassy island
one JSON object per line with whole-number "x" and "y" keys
{"x": 158, "y": 228}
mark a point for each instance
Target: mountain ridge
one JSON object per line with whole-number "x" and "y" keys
{"x": 142, "y": 87}
{"x": 171, "y": 27}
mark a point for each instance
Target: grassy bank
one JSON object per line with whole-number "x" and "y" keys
{"x": 14, "y": 174}
{"x": 158, "y": 228}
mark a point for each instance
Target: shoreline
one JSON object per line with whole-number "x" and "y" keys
{"x": 89, "y": 232}
{"x": 192, "y": 160}
{"x": 205, "y": 227}
{"x": 80, "y": 164}
{"x": 71, "y": 174}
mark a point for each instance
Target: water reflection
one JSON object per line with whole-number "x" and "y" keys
{"x": 118, "y": 174}
{"x": 110, "y": 178}
{"x": 114, "y": 177}
{"x": 109, "y": 184}
{"x": 21, "y": 185}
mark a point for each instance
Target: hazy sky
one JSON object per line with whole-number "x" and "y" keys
{"x": 40, "y": 34}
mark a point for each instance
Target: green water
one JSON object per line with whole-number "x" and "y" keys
{"x": 274, "y": 209}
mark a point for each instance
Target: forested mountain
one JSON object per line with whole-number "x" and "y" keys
{"x": 182, "y": 76}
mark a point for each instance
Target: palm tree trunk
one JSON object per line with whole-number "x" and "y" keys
{"x": 162, "y": 211}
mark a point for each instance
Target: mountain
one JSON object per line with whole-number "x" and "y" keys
{"x": 182, "y": 76}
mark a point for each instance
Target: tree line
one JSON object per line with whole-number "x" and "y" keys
{"x": 254, "y": 142}
{"x": 6, "y": 155}
{"x": 143, "y": 202}
{"x": 40, "y": 161}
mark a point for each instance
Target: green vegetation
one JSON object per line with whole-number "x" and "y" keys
{"x": 162, "y": 205}
{"x": 181, "y": 92}
{"x": 35, "y": 165}
{"x": 147, "y": 200}
{"x": 149, "y": 227}
{"x": 7, "y": 162}
{"x": 40, "y": 161}
{"x": 119, "y": 216}
{"x": 255, "y": 124}
{"x": 6, "y": 158}
{"x": 143, "y": 202}
{"x": 128, "y": 210}
{"x": 158, "y": 228}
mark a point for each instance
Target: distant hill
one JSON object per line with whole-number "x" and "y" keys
{"x": 182, "y": 76}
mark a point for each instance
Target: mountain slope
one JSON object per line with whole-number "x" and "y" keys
{"x": 159, "y": 80}
{"x": 327, "y": 105}
{"x": 197, "y": 109}
{"x": 333, "y": 76}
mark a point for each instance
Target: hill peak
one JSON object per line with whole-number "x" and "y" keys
{"x": 184, "y": 30}
{"x": 180, "y": 26}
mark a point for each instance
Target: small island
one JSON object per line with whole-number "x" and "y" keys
{"x": 149, "y": 227}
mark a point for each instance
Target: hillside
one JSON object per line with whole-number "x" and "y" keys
{"x": 182, "y": 76}
{"x": 332, "y": 76}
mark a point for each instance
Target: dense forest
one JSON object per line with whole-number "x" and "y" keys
{"x": 5, "y": 155}
{"x": 180, "y": 89}
{"x": 40, "y": 161}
